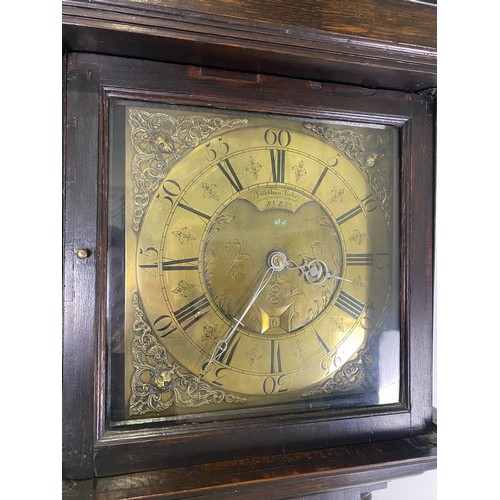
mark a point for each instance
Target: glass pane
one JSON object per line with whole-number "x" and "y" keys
{"x": 253, "y": 264}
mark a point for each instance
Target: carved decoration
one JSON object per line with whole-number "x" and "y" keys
{"x": 359, "y": 371}
{"x": 159, "y": 140}
{"x": 371, "y": 151}
{"x": 158, "y": 382}
{"x": 350, "y": 377}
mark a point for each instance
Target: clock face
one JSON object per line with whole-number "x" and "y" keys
{"x": 260, "y": 258}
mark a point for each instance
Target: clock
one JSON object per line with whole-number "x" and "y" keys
{"x": 248, "y": 266}
{"x": 260, "y": 261}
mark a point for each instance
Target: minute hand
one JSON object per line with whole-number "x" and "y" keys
{"x": 222, "y": 345}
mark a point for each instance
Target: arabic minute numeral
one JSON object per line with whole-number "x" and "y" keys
{"x": 171, "y": 189}
{"x": 164, "y": 325}
{"x": 330, "y": 363}
{"x": 276, "y": 384}
{"x": 281, "y": 138}
{"x": 214, "y": 151}
{"x": 220, "y": 374}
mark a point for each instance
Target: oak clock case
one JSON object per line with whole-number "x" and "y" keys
{"x": 253, "y": 264}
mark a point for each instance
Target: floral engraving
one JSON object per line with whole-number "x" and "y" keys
{"x": 280, "y": 290}
{"x": 372, "y": 150}
{"x": 337, "y": 324}
{"x": 159, "y": 140}
{"x": 158, "y": 382}
{"x": 210, "y": 332}
{"x": 299, "y": 350}
{"x": 253, "y": 355}
{"x": 358, "y": 237}
{"x": 209, "y": 190}
{"x": 224, "y": 300}
{"x": 299, "y": 170}
{"x": 183, "y": 288}
{"x": 337, "y": 195}
{"x": 236, "y": 269}
{"x": 217, "y": 224}
{"x": 183, "y": 235}
{"x": 358, "y": 283}
{"x": 253, "y": 167}
{"x": 319, "y": 304}
{"x": 209, "y": 264}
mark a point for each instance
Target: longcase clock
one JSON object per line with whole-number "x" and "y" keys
{"x": 248, "y": 264}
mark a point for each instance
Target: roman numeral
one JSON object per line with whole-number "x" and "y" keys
{"x": 359, "y": 259}
{"x": 194, "y": 211}
{"x": 320, "y": 180}
{"x": 190, "y": 264}
{"x": 350, "y": 305}
{"x": 322, "y": 342}
{"x": 275, "y": 357}
{"x": 350, "y": 214}
{"x": 278, "y": 164}
{"x": 230, "y": 174}
{"x": 192, "y": 312}
{"x": 227, "y": 356}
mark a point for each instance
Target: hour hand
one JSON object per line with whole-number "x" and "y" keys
{"x": 314, "y": 271}
{"x": 277, "y": 262}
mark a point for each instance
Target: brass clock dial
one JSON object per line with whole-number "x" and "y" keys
{"x": 201, "y": 238}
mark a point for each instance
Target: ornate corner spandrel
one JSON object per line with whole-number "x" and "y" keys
{"x": 350, "y": 377}
{"x": 372, "y": 150}
{"x": 158, "y": 382}
{"x": 159, "y": 140}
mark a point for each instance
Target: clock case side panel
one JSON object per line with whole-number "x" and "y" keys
{"x": 419, "y": 215}
{"x": 81, "y": 342}
{"x": 119, "y": 451}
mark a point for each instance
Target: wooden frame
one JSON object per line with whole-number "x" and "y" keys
{"x": 92, "y": 81}
{"x": 374, "y": 44}
{"x": 354, "y": 72}
{"x": 349, "y": 470}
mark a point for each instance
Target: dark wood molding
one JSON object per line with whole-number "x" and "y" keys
{"x": 280, "y": 475}
{"x": 366, "y": 19}
{"x": 335, "y": 50}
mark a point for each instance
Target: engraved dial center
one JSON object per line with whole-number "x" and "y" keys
{"x": 243, "y": 240}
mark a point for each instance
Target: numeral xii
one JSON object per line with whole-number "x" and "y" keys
{"x": 278, "y": 164}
